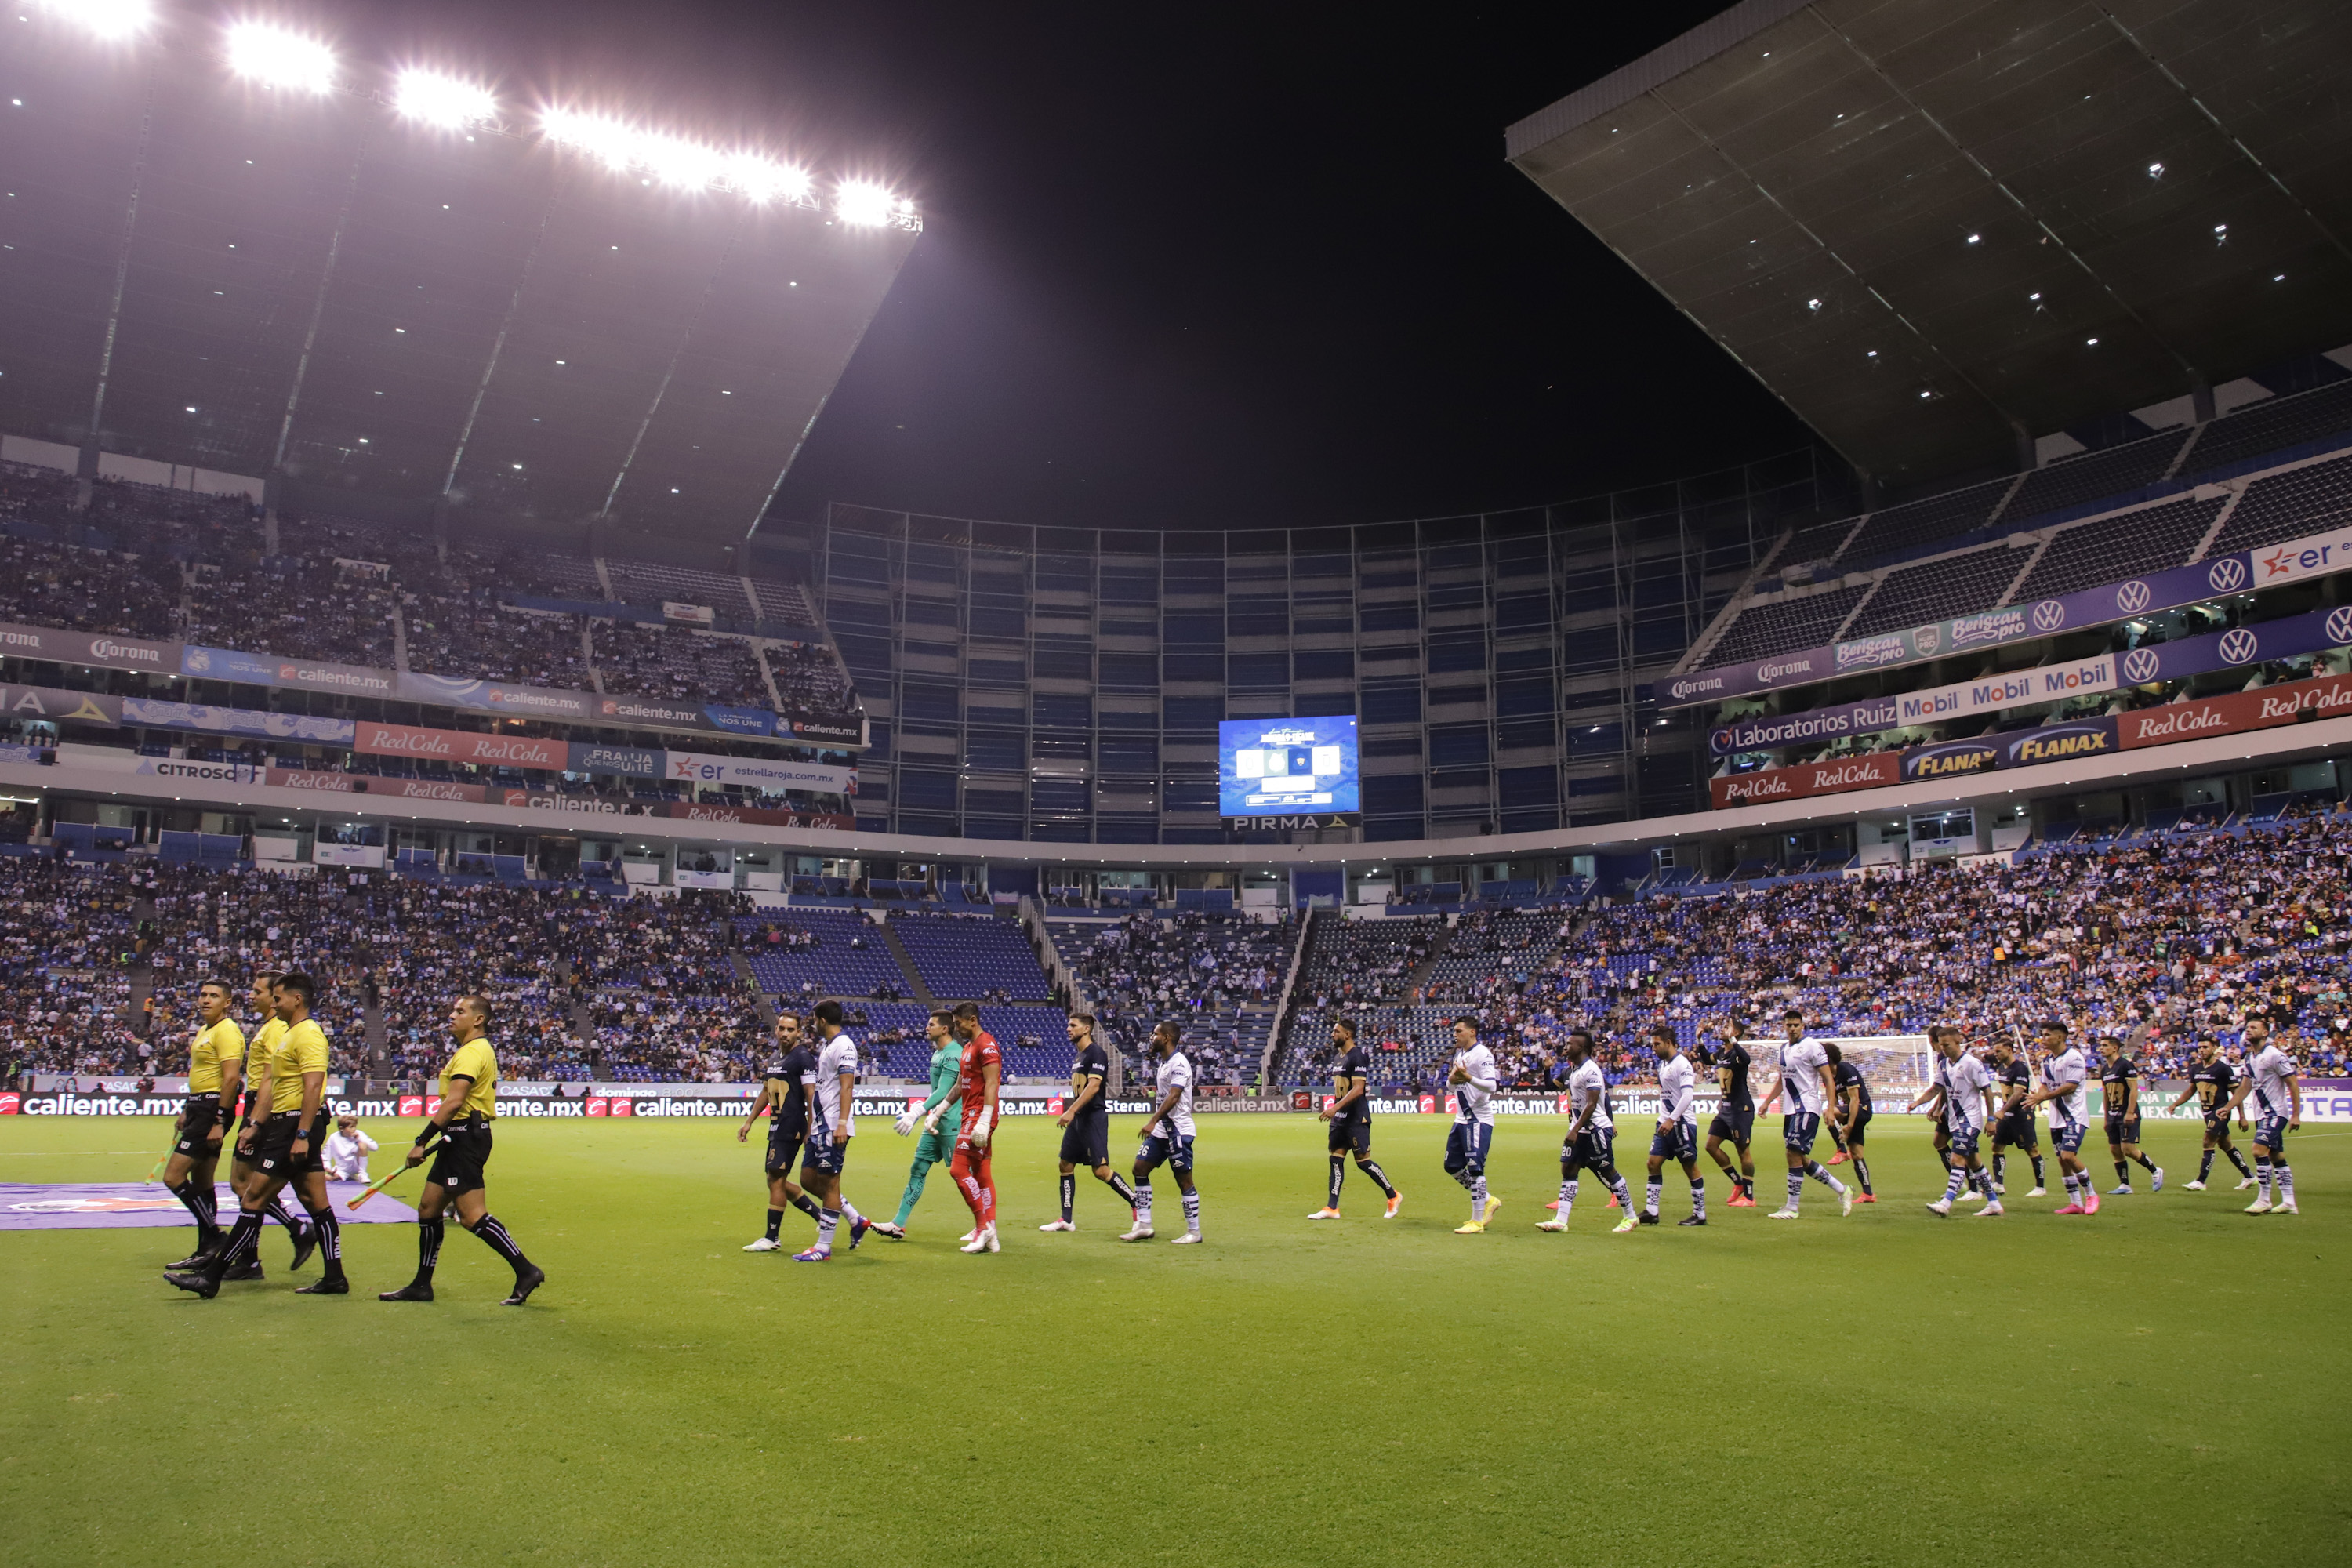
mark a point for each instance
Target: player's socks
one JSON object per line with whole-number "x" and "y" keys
{"x": 1338, "y": 1179}
{"x": 495, "y": 1234}
{"x": 1192, "y": 1213}
{"x": 1999, "y": 1167}
{"x": 1119, "y": 1184}
{"x": 2038, "y": 1178}
{"x": 827, "y": 1220}
{"x": 807, "y": 1205}
{"x": 2236, "y": 1159}
{"x": 1698, "y": 1196}
{"x": 192, "y": 1197}
{"x": 2145, "y": 1163}
{"x": 276, "y": 1209}
{"x": 1814, "y": 1169}
{"x": 1566, "y": 1197}
{"x": 910, "y": 1197}
{"x": 1862, "y": 1172}
{"x": 1983, "y": 1179}
{"x": 244, "y": 1237}
{"x": 2285, "y": 1179}
{"x": 330, "y": 1232}
{"x": 1143, "y": 1203}
{"x": 1650, "y": 1196}
{"x": 1954, "y": 1179}
{"x": 1478, "y": 1198}
{"x": 2262, "y": 1177}
{"x": 1380, "y": 1179}
{"x": 2123, "y": 1172}
{"x": 1946, "y": 1156}
{"x": 775, "y": 1223}
{"x": 429, "y": 1233}
{"x": 2204, "y": 1166}
{"x": 1796, "y": 1187}
{"x": 849, "y": 1212}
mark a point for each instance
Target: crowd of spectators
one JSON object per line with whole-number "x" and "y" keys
{"x": 168, "y": 565}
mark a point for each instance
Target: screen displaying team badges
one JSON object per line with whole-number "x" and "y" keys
{"x": 1273, "y": 767}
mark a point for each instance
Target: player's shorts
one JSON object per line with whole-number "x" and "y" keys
{"x": 458, "y": 1163}
{"x": 1351, "y": 1133}
{"x": 1594, "y": 1148}
{"x": 202, "y": 1117}
{"x": 1675, "y": 1141}
{"x": 824, "y": 1156}
{"x": 783, "y": 1147}
{"x": 1085, "y": 1141}
{"x": 936, "y": 1148}
{"x": 1860, "y": 1131}
{"x": 1161, "y": 1149}
{"x": 2270, "y": 1132}
{"x": 2217, "y": 1127}
{"x": 1739, "y": 1124}
{"x": 1964, "y": 1139}
{"x": 2067, "y": 1137}
{"x": 273, "y": 1145}
{"x": 2016, "y": 1132}
{"x": 1799, "y": 1129}
{"x": 1466, "y": 1143}
{"x": 2123, "y": 1129}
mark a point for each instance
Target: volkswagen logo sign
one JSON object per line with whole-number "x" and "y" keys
{"x": 2339, "y": 626}
{"x": 2240, "y": 645}
{"x": 2141, "y": 665}
{"x": 2049, "y": 615}
{"x": 2132, "y": 597}
{"x": 2227, "y": 575}
{"x": 1927, "y": 640}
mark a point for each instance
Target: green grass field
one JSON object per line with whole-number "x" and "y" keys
{"x": 2163, "y": 1384}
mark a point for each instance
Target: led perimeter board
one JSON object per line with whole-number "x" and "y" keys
{"x": 1299, "y": 772}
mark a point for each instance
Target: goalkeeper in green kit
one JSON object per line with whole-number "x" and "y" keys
{"x": 938, "y": 1145}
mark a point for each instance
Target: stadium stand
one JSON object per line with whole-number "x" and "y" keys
{"x": 803, "y": 956}
{"x": 963, "y": 958}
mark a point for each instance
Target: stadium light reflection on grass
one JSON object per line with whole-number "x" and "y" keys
{"x": 274, "y": 56}
{"x": 111, "y": 20}
{"x": 448, "y": 102}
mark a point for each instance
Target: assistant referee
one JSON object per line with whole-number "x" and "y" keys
{"x": 469, "y": 1104}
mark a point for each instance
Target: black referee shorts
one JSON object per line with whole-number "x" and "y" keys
{"x": 465, "y": 1150}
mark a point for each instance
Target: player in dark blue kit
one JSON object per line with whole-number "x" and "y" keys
{"x": 1735, "y": 1117}
{"x": 1850, "y": 1116}
{"x": 1085, "y": 1125}
{"x": 2119, "y": 1082}
{"x": 781, "y": 1095}
{"x": 2214, "y": 1083}
{"x": 1350, "y": 1116}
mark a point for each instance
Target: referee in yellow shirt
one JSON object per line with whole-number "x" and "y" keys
{"x": 469, "y": 1104}
{"x": 285, "y": 1147}
{"x": 256, "y": 1106}
{"x": 215, "y": 1073}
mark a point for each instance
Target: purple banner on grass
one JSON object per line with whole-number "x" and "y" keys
{"x": 115, "y": 1205}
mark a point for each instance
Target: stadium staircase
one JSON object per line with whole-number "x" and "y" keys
{"x": 1415, "y": 981}
{"x": 1058, "y": 969}
{"x": 762, "y": 1003}
{"x": 906, "y": 961}
{"x": 1281, "y": 1004}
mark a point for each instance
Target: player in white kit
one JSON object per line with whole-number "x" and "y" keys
{"x": 1805, "y": 1081}
{"x": 1676, "y": 1138}
{"x": 2270, "y": 1078}
{"x": 1472, "y": 1078}
{"x": 1591, "y": 1139}
{"x": 1968, "y": 1089}
{"x": 2063, "y": 1072}
{"x": 1168, "y": 1140}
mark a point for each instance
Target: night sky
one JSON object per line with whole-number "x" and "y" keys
{"x": 1208, "y": 267}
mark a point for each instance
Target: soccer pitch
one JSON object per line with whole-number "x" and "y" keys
{"x": 2164, "y": 1383}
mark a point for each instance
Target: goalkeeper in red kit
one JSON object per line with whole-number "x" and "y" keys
{"x": 977, "y": 1080}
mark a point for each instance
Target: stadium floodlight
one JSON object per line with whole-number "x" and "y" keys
{"x": 763, "y": 180}
{"x": 110, "y": 20}
{"x": 600, "y": 136}
{"x": 863, "y": 203}
{"x": 680, "y": 164}
{"x": 446, "y": 102}
{"x": 277, "y": 57}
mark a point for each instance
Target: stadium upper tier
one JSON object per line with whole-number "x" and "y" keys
{"x": 208, "y": 573}
{"x": 2050, "y": 532}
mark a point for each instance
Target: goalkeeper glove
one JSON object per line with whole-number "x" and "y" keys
{"x": 977, "y": 1134}
{"x": 905, "y": 1124}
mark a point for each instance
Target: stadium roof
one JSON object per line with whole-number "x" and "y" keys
{"x": 482, "y": 308}
{"x": 1935, "y": 227}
